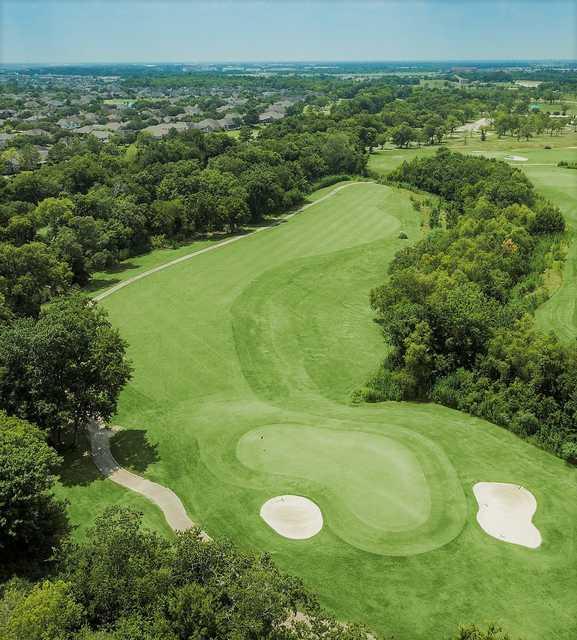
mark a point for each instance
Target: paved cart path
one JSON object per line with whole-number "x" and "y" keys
{"x": 164, "y": 498}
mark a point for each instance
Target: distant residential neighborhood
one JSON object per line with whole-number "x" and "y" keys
{"x": 39, "y": 110}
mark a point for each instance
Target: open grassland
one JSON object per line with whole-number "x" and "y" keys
{"x": 245, "y": 360}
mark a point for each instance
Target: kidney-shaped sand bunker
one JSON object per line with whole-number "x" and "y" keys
{"x": 293, "y": 517}
{"x": 506, "y": 512}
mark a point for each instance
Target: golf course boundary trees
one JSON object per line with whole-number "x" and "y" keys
{"x": 458, "y": 306}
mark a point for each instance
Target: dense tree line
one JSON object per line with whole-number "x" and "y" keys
{"x": 127, "y": 583}
{"x": 32, "y": 521}
{"x": 403, "y": 114}
{"x": 457, "y": 307}
{"x": 95, "y": 204}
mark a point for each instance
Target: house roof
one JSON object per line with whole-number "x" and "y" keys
{"x": 163, "y": 129}
{"x": 208, "y": 125}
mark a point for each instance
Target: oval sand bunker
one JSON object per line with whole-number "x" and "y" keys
{"x": 505, "y": 512}
{"x": 516, "y": 158}
{"x": 292, "y": 517}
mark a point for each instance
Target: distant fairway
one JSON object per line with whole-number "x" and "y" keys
{"x": 245, "y": 360}
{"x": 558, "y": 184}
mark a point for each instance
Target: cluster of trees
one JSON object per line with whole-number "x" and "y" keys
{"x": 59, "y": 368}
{"x": 524, "y": 126}
{"x": 63, "y": 368}
{"x": 404, "y": 114}
{"x": 95, "y": 204}
{"x": 19, "y": 158}
{"x": 127, "y": 583}
{"x": 32, "y": 521}
{"x": 457, "y": 308}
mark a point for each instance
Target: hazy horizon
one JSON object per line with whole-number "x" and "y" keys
{"x": 259, "y": 31}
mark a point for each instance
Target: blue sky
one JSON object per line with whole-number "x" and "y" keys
{"x": 49, "y": 31}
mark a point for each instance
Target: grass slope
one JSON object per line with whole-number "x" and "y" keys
{"x": 268, "y": 337}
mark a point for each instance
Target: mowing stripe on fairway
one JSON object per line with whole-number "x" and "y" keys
{"x": 224, "y": 243}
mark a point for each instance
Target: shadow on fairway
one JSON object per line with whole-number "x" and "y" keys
{"x": 133, "y": 450}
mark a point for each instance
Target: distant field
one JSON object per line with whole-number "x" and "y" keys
{"x": 245, "y": 361}
{"x": 556, "y": 107}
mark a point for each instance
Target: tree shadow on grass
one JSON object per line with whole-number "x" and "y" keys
{"x": 120, "y": 267}
{"x": 97, "y": 284}
{"x": 133, "y": 450}
{"x": 77, "y": 466}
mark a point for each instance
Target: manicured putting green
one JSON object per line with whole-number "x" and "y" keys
{"x": 392, "y": 495}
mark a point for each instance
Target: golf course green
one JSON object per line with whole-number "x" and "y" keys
{"x": 245, "y": 359}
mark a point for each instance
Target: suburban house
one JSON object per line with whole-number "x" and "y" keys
{"x": 230, "y": 121}
{"x": 69, "y": 123}
{"x": 207, "y": 126}
{"x": 163, "y": 129}
{"x": 270, "y": 116}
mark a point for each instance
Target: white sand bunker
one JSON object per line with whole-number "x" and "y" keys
{"x": 292, "y": 517}
{"x": 505, "y": 512}
{"x": 516, "y": 158}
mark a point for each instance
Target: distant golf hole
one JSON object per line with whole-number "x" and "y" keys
{"x": 293, "y": 517}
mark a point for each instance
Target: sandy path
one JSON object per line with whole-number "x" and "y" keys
{"x": 166, "y": 500}
{"x": 224, "y": 243}
{"x": 474, "y": 126}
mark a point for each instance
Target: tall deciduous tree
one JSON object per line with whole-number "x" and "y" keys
{"x": 64, "y": 369}
{"x": 31, "y": 519}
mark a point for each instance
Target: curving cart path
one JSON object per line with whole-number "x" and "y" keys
{"x": 165, "y": 499}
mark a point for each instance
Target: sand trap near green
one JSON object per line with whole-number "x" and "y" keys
{"x": 293, "y": 517}
{"x": 506, "y": 512}
{"x": 391, "y": 495}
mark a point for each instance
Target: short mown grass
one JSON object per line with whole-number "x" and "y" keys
{"x": 275, "y": 331}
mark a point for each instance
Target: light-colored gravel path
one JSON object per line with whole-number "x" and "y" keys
{"x": 220, "y": 245}
{"x": 166, "y": 500}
